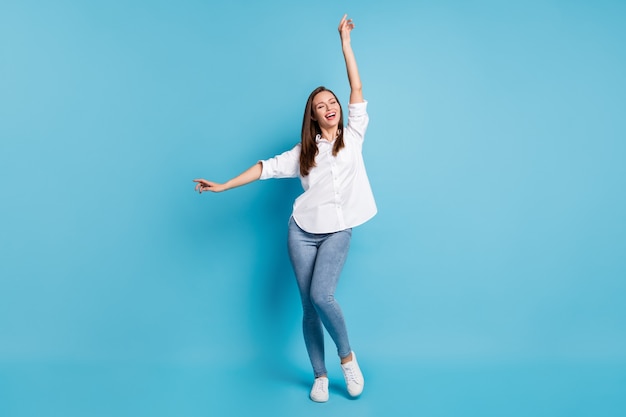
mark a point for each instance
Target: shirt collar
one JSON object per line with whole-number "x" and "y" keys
{"x": 318, "y": 139}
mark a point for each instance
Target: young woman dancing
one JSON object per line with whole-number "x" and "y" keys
{"x": 337, "y": 197}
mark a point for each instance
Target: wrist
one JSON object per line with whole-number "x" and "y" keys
{"x": 227, "y": 185}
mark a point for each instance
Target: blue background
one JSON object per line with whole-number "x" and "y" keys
{"x": 491, "y": 282}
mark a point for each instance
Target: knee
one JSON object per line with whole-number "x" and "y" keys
{"x": 309, "y": 313}
{"x": 321, "y": 299}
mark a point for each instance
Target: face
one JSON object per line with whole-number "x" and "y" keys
{"x": 326, "y": 110}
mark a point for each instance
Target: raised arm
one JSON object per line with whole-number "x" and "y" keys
{"x": 356, "y": 90}
{"x": 250, "y": 175}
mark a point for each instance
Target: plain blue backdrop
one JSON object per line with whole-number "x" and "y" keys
{"x": 491, "y": 283}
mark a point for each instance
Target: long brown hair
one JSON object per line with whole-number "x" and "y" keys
{"x": 310, "y": 129}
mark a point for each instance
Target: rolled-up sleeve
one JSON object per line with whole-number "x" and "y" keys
{"x": 285, "y": 165}
{"x": 358, "y": 119}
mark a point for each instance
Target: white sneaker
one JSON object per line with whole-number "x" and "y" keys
{"x": 354, "y": 377}
{"x": 319, "y": 392}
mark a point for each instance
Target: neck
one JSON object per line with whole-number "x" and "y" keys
{"x": 329, "y": 134}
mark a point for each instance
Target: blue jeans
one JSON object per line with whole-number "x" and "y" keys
{"x": 317, "y": 261}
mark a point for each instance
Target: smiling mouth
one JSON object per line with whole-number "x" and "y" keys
{"x": 330, "y": 115}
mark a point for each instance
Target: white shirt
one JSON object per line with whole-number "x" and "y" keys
{"x": 337, "y": 194}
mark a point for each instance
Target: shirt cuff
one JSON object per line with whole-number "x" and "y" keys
{"x": 265, "y": 174}
{"x": 358, "y": 109}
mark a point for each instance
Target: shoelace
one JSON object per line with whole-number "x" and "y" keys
{"x": 319, "y": 385}
{"x": 350, "y": 373}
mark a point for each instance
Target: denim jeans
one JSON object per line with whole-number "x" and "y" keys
{"x": 317, "y": 261}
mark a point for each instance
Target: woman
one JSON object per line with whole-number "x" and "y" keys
{"x": 337, "y": 196}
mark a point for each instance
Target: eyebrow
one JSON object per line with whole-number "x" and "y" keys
{"x": 322, "y": 102}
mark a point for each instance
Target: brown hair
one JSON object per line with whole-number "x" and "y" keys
{"x": 310, "y": 129}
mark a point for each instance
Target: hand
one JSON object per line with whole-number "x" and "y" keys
{"x": 345, "y": 27}
{"x": 204, "y": 185}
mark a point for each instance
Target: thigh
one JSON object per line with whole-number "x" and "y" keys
{"x": 302, "y": 253}
{"x": 331, "y": 257}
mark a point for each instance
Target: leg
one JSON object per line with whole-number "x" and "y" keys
{"x": 303, "y": 252}
{"x": 331, "y": 256}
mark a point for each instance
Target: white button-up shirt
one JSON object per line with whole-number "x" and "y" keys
{"x": 337, "y": 194}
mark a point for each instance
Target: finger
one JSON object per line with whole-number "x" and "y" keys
{"x": 202, "y": 185}
{"x": 342, "y": 21}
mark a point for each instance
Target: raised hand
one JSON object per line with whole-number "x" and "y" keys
{"x": 345, "y": 27}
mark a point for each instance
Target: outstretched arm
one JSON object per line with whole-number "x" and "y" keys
{"x": 250, "y": 175}
{"x": 356, "y": 91}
